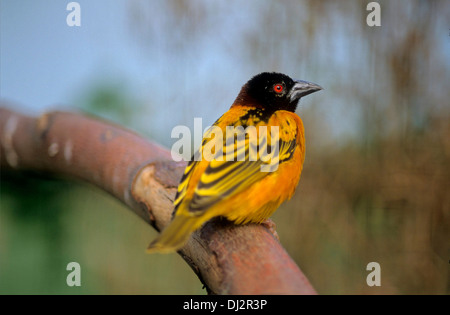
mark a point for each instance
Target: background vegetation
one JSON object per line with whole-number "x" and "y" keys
{"x": 376, "y": 180}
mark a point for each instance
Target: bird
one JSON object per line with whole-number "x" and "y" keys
{"x": 248, "y": 184}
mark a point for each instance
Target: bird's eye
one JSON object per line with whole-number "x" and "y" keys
{"x": 278, "y": 88}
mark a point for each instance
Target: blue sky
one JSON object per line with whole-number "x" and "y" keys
{"x": 45, "y": 64}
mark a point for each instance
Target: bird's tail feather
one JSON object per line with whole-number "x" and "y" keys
{"x": 175, "y": 235}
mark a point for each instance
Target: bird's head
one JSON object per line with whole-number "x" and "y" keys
{"x": 274, "y": 91}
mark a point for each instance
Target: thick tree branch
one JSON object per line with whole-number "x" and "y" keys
{"x": 228, "y": 259}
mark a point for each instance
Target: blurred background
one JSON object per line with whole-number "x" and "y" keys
{"x": 376, "y": 180}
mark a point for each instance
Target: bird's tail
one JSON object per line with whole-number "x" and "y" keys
{"x": 174, "y": 236}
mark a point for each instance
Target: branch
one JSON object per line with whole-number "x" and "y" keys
{"x": 228, "y": 259}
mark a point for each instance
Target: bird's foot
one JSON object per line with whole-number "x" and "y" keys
{"x": 271, "y": 226}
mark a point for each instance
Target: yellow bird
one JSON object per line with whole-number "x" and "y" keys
{"x": 243, "y": 175}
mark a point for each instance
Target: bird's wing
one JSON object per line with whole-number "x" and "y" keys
{"x": 183, "y": 186}
{"x": 224, "y": 178}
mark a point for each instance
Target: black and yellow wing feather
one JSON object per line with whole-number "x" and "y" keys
{"x": 223, "y": 178}
{"x": 209, "y": 185}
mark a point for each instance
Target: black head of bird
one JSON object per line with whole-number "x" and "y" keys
{"x": 274, "y": 91}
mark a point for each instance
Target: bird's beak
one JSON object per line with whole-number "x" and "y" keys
{"x": 303, "y": 88}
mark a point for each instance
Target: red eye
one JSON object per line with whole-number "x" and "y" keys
{"x": 278, "y": 88}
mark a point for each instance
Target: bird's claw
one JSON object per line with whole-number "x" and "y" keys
{"x": 271, "y": 226}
